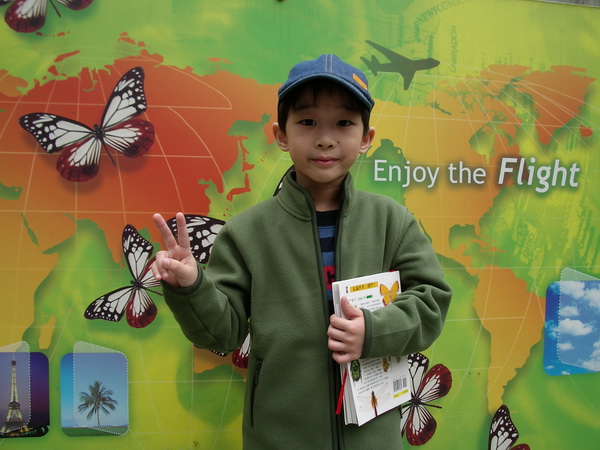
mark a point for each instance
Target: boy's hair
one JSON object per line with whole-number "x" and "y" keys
{"x": 316, "y": 88}
{"x": 328, "y": 74}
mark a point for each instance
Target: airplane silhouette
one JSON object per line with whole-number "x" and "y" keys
{"x": 398, "y": 63}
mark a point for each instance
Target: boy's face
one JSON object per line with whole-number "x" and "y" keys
{"x": 324, "y": 137}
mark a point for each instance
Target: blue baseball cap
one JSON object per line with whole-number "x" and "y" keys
{"x": 333, "y": 68}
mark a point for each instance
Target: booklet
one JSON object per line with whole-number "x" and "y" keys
{"x": 371, "y": 386}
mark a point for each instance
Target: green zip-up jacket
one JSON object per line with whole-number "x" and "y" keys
{"x": 266, "y": 264}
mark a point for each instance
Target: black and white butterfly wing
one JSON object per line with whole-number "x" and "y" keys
{"x": 55, "y": 133}
{"x": 202, "y": 231}
{"x": 436, "y": 384}
{"x": 133, "y": 300}
{"x": 503, "y": 432}
{"x": 127, "y": 99}
{"x": 417, "y": 422}
{"x": 137, "y": 251}
{"x": 131, "y": 137}
{"x": 110, "y": 306}
{"x": 141, "y": 310}
{"x": 80, "y": 159}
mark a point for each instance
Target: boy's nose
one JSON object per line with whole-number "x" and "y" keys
{"x": 325, "y": 140}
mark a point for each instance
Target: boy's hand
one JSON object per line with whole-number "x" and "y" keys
{"x": 175, "y": 266}
{"x": 346, "y": 336}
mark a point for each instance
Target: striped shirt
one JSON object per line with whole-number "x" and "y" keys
{"x": 326, "y": 224}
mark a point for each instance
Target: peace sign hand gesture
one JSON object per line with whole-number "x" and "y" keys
{"x": 176, "y": 265}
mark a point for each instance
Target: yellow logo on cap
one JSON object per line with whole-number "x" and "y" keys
{"x": 359, "y": 81}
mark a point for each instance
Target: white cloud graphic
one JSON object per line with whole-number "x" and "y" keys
{"x": 565, "y": 346}
{"x": 575, "y": 289}
{"x": 574, "y": 327}
{"x": 593, "y": 298}
{"x": 569, "y": 311}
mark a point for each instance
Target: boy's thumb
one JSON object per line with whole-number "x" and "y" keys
{"x": 349, "y": 311}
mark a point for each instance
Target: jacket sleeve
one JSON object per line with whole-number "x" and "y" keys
{"x": 213, "y": 313}
{"x": 416, "y": 318}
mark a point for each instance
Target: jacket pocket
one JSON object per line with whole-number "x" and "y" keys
{"x": 253, "y": 388}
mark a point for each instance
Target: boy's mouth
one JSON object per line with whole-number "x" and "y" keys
{"x": 324, "y": 161}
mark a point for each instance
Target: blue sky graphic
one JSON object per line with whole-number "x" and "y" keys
{"x": 572, "y": 330}
{"x": 108, "y": 368}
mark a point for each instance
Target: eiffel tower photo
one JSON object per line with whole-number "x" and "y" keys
{"x": 14, "y": 425}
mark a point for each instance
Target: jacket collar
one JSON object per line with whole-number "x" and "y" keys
{"x": 297, "y": 201}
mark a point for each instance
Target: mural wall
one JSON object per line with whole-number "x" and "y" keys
{"x": 487, "y": 116}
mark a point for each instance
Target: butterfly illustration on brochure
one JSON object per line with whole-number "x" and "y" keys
{"x": 80, "y": 146}
{"x": 503, "y": 432}
{"x": 26, "y": 16}
{"x": 426, "y": 386}
{"x": 132, "y": 301}
{"x": 389, "y": 294}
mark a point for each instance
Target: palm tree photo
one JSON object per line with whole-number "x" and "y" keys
{"x": 98, "y": 399}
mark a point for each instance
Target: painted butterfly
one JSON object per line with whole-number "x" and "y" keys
{"x": 133, "y": 300}
{"x": 240, "y": 355}
{"x": 81, "y": 146}
{"x": 389, "y": 294}
{"x": 503, "y": 432}
{"x": 202, "y": 231}
{"x": 417, "y": 422}
{"x": 26, "y": 16}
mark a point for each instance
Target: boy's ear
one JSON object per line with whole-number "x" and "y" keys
{"x": 367, "y": 140}
{"x": 280, "y": 137}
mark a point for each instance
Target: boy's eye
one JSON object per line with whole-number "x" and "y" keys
{"x": 345, "y": 123}
{"x": 307, "y": 122}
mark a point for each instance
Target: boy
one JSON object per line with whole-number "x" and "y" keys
{"x": 268, "y": 264}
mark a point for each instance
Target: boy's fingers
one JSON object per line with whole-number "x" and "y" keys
{"x": 165, "y": 232}
{"x": 183, "y": 237}
{"x": 349, "y": 310}
{"x": 155, "y": 271}
{"x": 161, "y": 268}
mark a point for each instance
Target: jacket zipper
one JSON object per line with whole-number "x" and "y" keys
{"x": 254, "y": 386}
{"x": 339, "y": 421}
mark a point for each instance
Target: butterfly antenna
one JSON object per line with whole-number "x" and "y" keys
{"x": 154, "y": 292}
{"x": 431, "y": 406}
{"x": 108, "y": 153}
{"x": 55, "y": 8}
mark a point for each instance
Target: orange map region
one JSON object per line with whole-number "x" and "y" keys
{"x": 514, "y": 318}
{"x": 558, "y": 97}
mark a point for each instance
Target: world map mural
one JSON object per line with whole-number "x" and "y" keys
{"x": 487, "y": 120}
